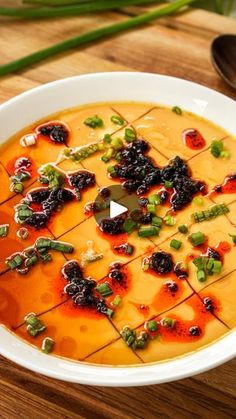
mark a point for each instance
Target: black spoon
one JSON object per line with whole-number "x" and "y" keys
{"x": 223, "y": 55}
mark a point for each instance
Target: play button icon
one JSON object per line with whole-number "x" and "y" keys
{"x": 116, "y": 209}
{"x": 114, "y": 201}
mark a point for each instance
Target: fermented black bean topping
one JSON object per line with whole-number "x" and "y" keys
{"x": 161, "y": 262}
{"x": 57, "y": 132}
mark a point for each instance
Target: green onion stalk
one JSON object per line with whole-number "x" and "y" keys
{"x": 71, "y": 10}
{"x": 93, "y": 35}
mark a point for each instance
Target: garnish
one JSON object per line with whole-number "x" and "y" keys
{"x": 132, "y": 339}
{"x": 168, "y": 322}
{"x": 23, "y": 233}
{"x": 47, "y": 345}
{"x": 34, "y": 325}
{"x": 209, "y": 214}
{"x": 206, "y": 266}
{"x": 148, "y": 231}
{"x": 197, "y": 238}
{"x": 116, "y": 119}
{"x": 175, "y": 244}
{"x": 177, "y": 110}
{"x": 233, "y": 237}
{"x": 126, "y": 248}
{"x": 104, "y": 289}
{"x": 130, "y": 135}
{"x": 28, "y": 140}
{"x": 169, "y": 220}
{"x": 94, "y": 122}
{"x": 22, "y": 262}
{"x": 4, "y": 229}
{"x": 154, "y": 199}
{"x": 198, "y": 200}
{"x": 157, "y": 221}
{"x": 117, "y": 301}
{"x": 90, "y": 255}
{"x": 78, "y": 154}
{"x": 129, "y": 225}
{"x": 21, "y": 175}
{"x": 183, "y": 229}
{"x": 168, "y": 184}
{"x": 151, "y": 326}
{"x": 54, "y": 176}
{"x": 218, "y": 150}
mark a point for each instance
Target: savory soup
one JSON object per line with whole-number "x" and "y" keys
{"x": 152, "y": 280}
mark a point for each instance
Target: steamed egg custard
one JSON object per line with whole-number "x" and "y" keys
{"x": 155, "y": 281}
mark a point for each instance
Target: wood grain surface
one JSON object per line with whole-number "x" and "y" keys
{"x": 178, "y": 46}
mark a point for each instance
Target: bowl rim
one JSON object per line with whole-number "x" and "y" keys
{"x": 24, "y": 354}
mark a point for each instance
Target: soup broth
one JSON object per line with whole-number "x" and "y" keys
{"x": 154, "y": 280}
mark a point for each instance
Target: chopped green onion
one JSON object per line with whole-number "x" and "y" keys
{"x": 201, "y": 276}
{"x": 94, "y": 122}
{"x": 183, "y": 229}
{"x": 148, "y": 231}
{"x": 61, "y": 246}
{"x": 217, "y": 147}
{"x": 225, "y": 154}
{"x": 4, "y": 229}
{"x": 118, "y": 156}
{"x": 23, "y": 233}
{"x": 109, "y": 312}
{"x": 154, "y": 199}
{"x": 108, "y": 155}
{"x": 104, "y": 289}
{"x": 76, "y": 154}
{"x": 42, "y": 243}
{"x": 34, "y": 325}
{"x": 157, "y": 221}
{"x": 199, "y": 262}
{"x": 117, "y": 300}
{"x": 17, "y": 187}
{"x": 129, "y": 225}
{"x": 152, "y": 326}
{"x": 55, "y": 177}
{"x": 111, "y": 170}
{"x": 211, "y": 213}
{"x": 129, "y": 249}
{"x": 168, "y": 184}
{"x": 116, "y": 119}
{"x": 197, "y": 238}
{"x": 31, "y": 261}
{"x": 117, "y": 143}
{"x": 151, "y": 208}
{"x": 15, "y": 261}
{"x": 128, "y": 335}
{"x": 169, "y": 220}
{"x": 21, "y": 177}
{"x": 177, "y": 110}
{"x": 175, "y": 244}
{"x": 168, "y": 322}
{"x": 130, "y": 135}
{"x": 47, "y": 345}
{"x": 107, "y": 139}
{"x": 217, "y": 266}
{"x": 233, "y": 237}
{"x": 198, "y": 200}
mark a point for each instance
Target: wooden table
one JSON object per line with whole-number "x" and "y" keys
{"x": 178, "y": 46}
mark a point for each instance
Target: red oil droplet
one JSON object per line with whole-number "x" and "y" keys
{"x": 228, "y": 186}
{"x": 193, "y": 139}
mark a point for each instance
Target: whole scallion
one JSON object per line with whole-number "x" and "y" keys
{"x": 93, "y": 35}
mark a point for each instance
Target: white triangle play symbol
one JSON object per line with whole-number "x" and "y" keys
{"x": 116, "y": 209}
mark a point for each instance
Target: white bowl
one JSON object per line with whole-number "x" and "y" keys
{"x": 140, "y": 87}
